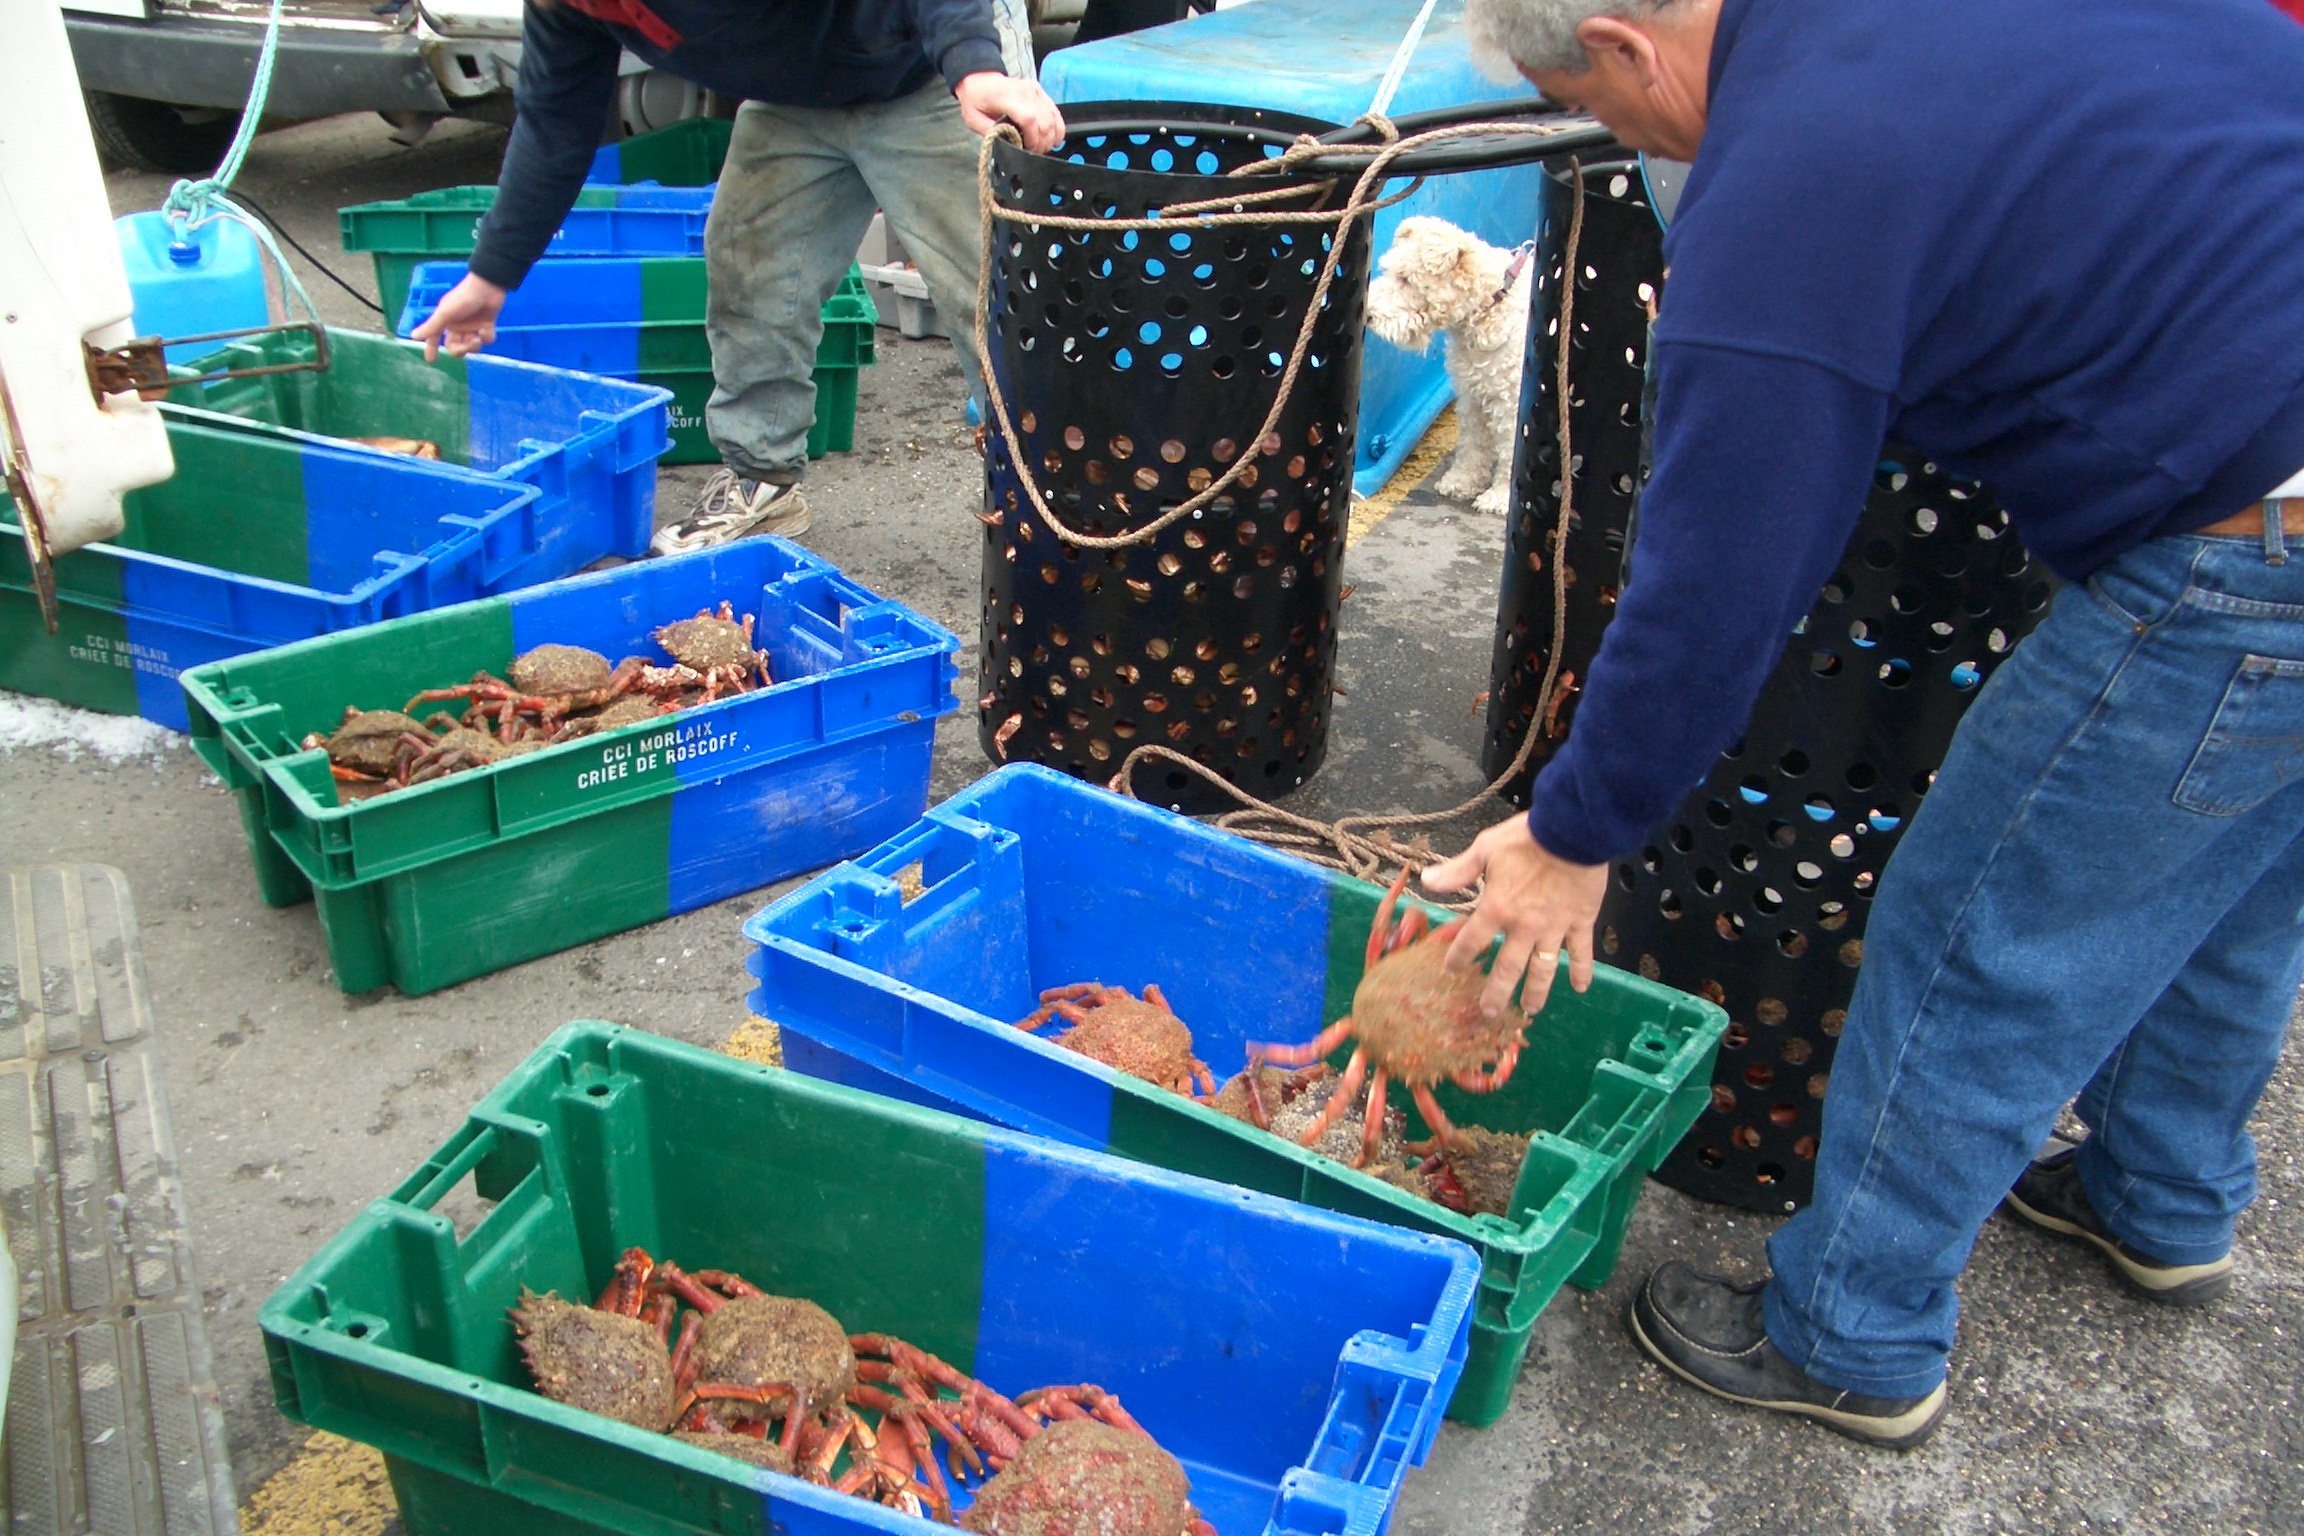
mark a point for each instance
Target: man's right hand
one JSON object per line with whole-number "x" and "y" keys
{"x": 465, "y": 320}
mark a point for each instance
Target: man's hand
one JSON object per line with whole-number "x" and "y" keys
{"x": 465, "y": 321}
{"x": 1538, "y": 902}
{"x": 988, "y": 99}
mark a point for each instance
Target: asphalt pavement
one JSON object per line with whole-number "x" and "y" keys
{"x": 2074, "y": 1408}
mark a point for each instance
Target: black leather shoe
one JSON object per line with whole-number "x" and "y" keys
{"x": 2049, "y": 1197}
{"x": 1708, "y": 1331}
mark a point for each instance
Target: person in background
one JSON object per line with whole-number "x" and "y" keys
{"x": 849, "y": 105}
{"x": 2074, "y": 274}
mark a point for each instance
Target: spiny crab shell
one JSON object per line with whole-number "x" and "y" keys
{"x": 1079, "y": 1477}
{"x": 557, "y": 669}
{"x": 711, "y": 640}
{"x": 761, "y": 1453}
{"x": 599, "y": 1361}
{"x": 776, "y": 1339}
{"x": 368, "y": 740}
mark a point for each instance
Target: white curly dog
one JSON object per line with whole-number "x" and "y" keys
{"x": 1437, "y": 279}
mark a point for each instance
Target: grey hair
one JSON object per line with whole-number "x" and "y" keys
{"x": 1510, "y": 35}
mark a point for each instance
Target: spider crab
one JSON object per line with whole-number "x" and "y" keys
{"x": 714, "y": 650}
{"x": 1088, "y": 1474}
{"x": 1413, "y": 1020}
{"x": 767, "y": 1358}
{"x": 1139, "y": 1036}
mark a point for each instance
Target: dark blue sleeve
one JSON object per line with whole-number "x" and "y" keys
{"x": 959, "y": 37}
{"x": 567, "y": 81}
{"x": 1762, "y": 466}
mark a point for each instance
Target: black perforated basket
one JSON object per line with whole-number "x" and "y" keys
{"x": 1620, "y": 262}
{"x": 1754, "y": 894}
{"x": 1137, "y": 367}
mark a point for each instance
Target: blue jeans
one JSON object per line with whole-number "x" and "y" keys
{"x": 795, "y": 198}
{"x": 2100, "y": 896}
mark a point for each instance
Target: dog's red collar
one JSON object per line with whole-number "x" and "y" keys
{"x": 1526, "y": 249}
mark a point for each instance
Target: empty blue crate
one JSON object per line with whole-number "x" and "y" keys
{"x": 905, "y": 971}
{"x": 589, "y": 445}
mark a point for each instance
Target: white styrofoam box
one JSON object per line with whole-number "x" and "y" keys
{"x": 900, "y": 299}
{"x": 881, "y": 248}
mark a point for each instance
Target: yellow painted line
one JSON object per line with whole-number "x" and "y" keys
{"x": 333, "y": 1487}
{"x": 1438, "y": 443}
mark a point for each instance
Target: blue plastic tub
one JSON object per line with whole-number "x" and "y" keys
{"x": 1030, "y": 879}
{"x": 589, "y": 445}
{"x": 1294, "y": 1361}
{"x": 258, "y": 539}
{"x": 1324, "y": 60}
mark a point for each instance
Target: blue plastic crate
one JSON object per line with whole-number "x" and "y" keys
{"x": 1323, "y": 60}
{"x": 1030, "y": 879}
{"x": 1294, "y": 1361}
{"x": 424, "y": 887}
{"x": 258, "y": 539}
{"x": 588, "y": 444}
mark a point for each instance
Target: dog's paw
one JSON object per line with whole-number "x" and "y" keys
{"x": 1496, "y": 500}
{"x": 1458, "y": 483}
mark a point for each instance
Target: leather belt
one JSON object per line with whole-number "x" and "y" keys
{"x": 2248, "y": 522}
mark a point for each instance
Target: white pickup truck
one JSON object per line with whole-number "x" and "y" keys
{"x": 165, "y": 79}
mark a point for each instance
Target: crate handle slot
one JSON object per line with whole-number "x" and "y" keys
{"x": 479, "y": 1144}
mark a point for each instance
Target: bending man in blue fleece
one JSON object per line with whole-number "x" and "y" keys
{"x": 2061, "y": 249}
{"x": 848, "y": 105}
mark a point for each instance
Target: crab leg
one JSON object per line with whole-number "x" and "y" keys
{"x": 1372, "y": 1120}
{"x": 1087, "y": 1400}
{"x": 689, "y": 1329}
{"x": 1473, "y": 1080}
{"x": 628, "y": 1285}
{"x": 727, "y": 1283}
{"x": 918, "y": 1401}
{"x": 1378, "y": 930}
{"x": 679, "y": 1282}
{"x": 1443, "y": 1133}
{"x": 1311, "y": 1051}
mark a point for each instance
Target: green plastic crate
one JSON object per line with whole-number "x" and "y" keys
{"x": 1034, "y": 880}
{"x": 1294, "y": 1361}
{"x": 428, "y": 886}
{"x": 644, "y": 319}
{"x": 688, "y": 153}
{"x": 604, "y": 221}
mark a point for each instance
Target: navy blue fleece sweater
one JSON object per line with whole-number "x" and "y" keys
{"x": 2056, "y": 247}
{"x": 795, "y": 53}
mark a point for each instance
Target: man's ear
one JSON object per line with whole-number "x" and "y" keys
{"x": 1614, "y": 43}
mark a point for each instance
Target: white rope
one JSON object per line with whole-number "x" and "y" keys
{"x": 1390, "y": 84}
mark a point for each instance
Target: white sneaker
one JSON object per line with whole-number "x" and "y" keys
{"x": 732, "y": 506}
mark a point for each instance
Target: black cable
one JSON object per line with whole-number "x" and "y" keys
{"x": 280, "y": 229}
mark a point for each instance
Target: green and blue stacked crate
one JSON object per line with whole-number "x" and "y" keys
{"x": 643, "y": 318}
{"x": 1294, "y": 1361}
{"x": 688, "y": 153}
{"x": 1030, "y": 880}
{"x": 606, "y": 221}
{"x": 466, "y": 874}
{"x": 259, "y": 538}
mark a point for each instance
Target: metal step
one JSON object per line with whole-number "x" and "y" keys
{"x": 113, "y": 1421}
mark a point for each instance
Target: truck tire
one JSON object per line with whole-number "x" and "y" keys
{"x": 137, "y": 134}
